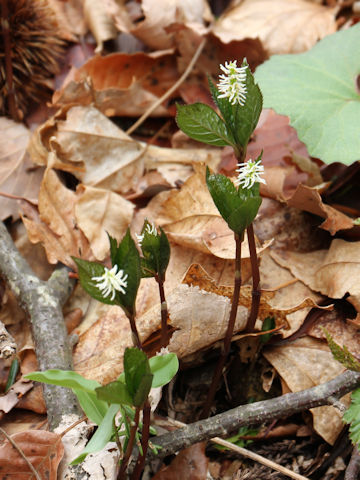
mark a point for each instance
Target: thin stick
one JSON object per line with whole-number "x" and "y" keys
{"x": 167, "y": 94}
{"x": 256, "y": 292}
{"x": 19, "y": 449}
{"x": 229, "y": 331}
{"x": 247, "y": 453}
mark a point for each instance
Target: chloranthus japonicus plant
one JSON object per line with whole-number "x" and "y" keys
{"x": 116, "y": 407}
{"x": 239, "y": 103}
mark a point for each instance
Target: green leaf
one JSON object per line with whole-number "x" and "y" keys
{"x": 352, "y": 416}
{"x": 202, "y": 123}
{"x": 86, "y": 271}
{"x": 317, "y": 90}
{"x": 164, "y": 368}
{"x": 101, "y": 437}
{"x": 156, "y": 251}
{"x": 128, "y": 259}
{"x": 93, "y": 408}
{"x": 64, "y": 378}
{"x": 138, "y": 376}
{"x": 115, "y": 392}
{"x": 342, "y": 354}
{"x": 113, "y": 248}
{"x": 241, "y": 120}
{"x": 238, "y": 207}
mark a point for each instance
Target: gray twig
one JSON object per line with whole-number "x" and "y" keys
{"x": 353, "y": 469}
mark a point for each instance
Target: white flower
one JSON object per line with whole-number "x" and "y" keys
{"x": 111, "y": 281}
{"x": 249, "y": 173}
{"x": 150, "y": 228}
{"x": 233, "y": 84}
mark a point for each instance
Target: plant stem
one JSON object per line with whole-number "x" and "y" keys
{"x": 164, "y": 312}
{"x": 134, "y": 331}
{"x": 229, "y": 331}
{"x": 139, "y": 467}
{"x": 256, "y": 292}
{"x": 130, "y": 445}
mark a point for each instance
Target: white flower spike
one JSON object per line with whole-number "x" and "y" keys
{"x": 111, "y": 281}
{"x": 233, "y": 84}
{"x": 249, "y": 173}
{"x": 150, "y": 228}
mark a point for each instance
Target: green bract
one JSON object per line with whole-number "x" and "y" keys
{"x": 319, "y": 91}
{"x": 237, "y": 206}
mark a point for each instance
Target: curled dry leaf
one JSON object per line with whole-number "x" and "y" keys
{"x": 54, "y": 224}
{"x": 98, "y": 212}
{"x": 309, "y": 199}
{"x": 43, "y": 449}
{"x": 99, "y": 21}
{"x": 332, "y": 272}
{"x": 161, "y": 14}
{"x": 306, "y": 363}
{"x": 288, "y": 26}
{"x": 120, "y": 83}
{"x": 18, "y": 176}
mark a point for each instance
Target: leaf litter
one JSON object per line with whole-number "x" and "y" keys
{"x": 114, "y": 175}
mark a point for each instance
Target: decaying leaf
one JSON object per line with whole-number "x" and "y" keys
{"x": 18, "y": 176}
{"x": 303, "y": 364}
{"x": 43, "y": 449}
{"x": 191, "y": 463}
{"x": 288, "y": 26}
{"x": 99, "y": 21}
{"x": 332, "y": 272}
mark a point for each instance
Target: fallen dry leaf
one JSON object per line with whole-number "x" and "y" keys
{"x": 120, "y": 83}
{"x": 161, "y": 14}
{"x": 99, "y": 21}
{"x": 288, "y": 26}
{"x": 18, "y": 176}
{"x": 54, "y": 224}
{"x": 306, "y": 363}
{"x": 309, "y": 199}
{"x": 333, "y": 272}
{"x": 43, "y": 449}
{"x": 98, "y": 212}
{"x": 191, "y": 463}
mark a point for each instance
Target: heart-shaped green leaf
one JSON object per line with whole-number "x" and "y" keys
{"x": 156, "y": 251}
{"x": 319, "y": 91}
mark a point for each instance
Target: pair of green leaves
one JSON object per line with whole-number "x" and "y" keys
{"x": 156, "y": 252}
{"x": 101, "y": 403}
{"x": 237, "y": 206}
{"x": 202, "y": 123}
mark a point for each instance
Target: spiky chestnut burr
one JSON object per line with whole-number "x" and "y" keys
{"x": 30, "y": 49}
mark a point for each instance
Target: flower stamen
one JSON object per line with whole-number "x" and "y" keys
{"x": 249, "y": 173}
{"x": 232, "y": 85}
{"x": 111, "y": 281}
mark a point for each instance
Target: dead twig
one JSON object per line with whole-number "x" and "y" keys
{"x": 353, "y": 469}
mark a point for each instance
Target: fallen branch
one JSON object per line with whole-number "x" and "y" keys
{"x": 43, "y": 303}
{"x": 226, "y": 423}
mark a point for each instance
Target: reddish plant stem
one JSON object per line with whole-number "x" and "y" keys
{"x": 256, "y": 292}
{"x": 11, "y": 101}
{"x": 229, "y": 331}
{"x": 130, "y": 445}
{"x": 164, "y": 341}
{"x": 134, "y": 331}
{"x": 145, "y": 434}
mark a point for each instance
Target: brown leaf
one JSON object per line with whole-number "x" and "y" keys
{"x": 18, "y": 176}
{"x": 332, "y": 272}
{"x": 309, "y": 199}
{"x": 54, "y": 224}
{"x": 285, "y": 26}
{"x": 98, "y": 212}
{"x": 11, "y": 398}
{"x": 191, "y": 463}
{"x": 44, "y": 451}
{"x": 306, "y": 363}
{"x": 160, "y": 14}
{"x": 120, "y": 83}
{"x": 99, "y": 21}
